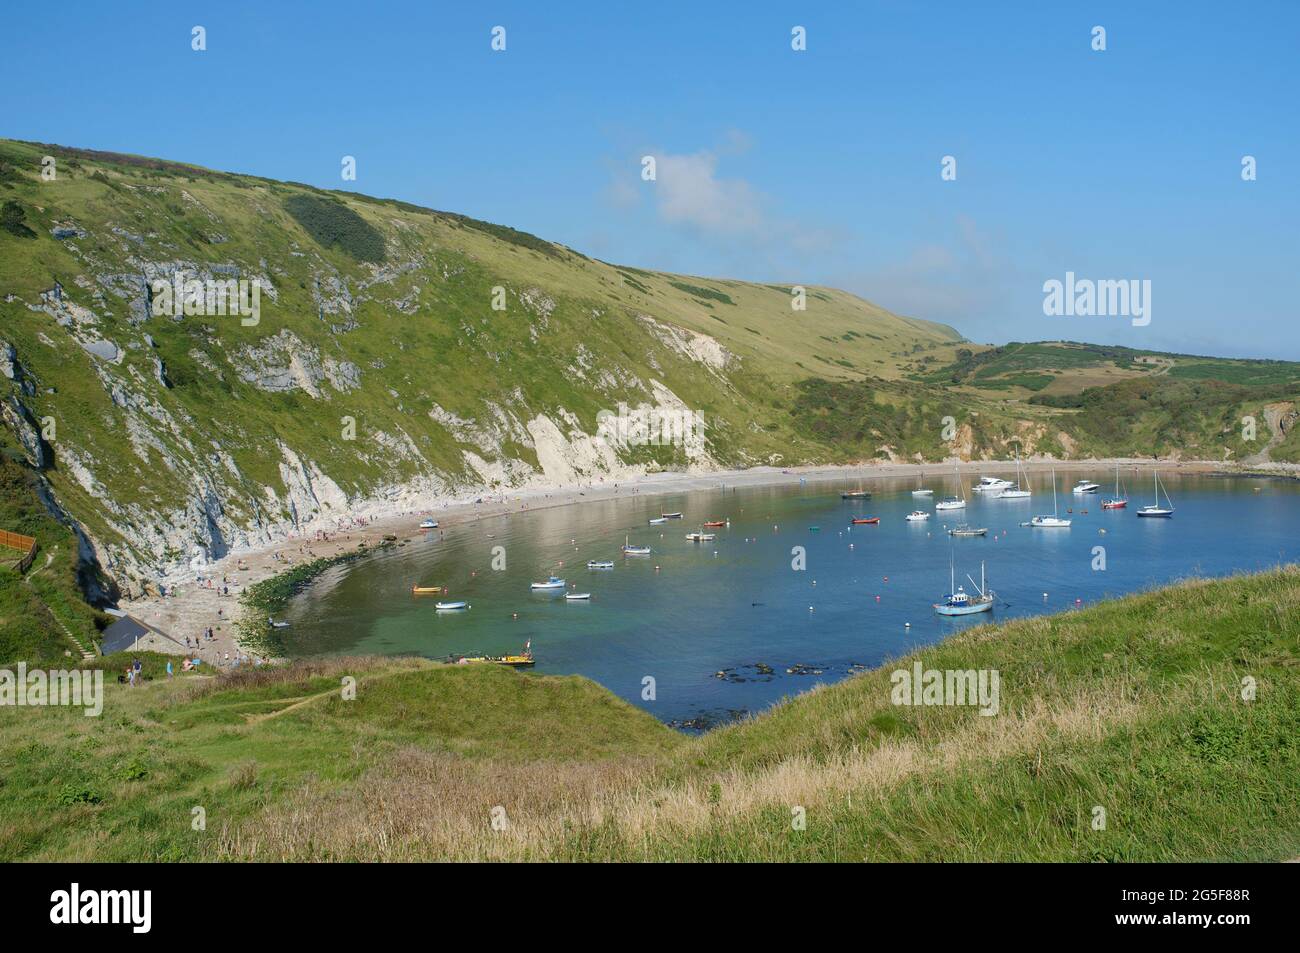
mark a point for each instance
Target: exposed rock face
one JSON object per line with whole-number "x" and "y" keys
{"x": 20, "y": 421}
{"x": 284, "y": 362}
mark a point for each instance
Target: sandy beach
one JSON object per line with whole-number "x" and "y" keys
{"x": 190, "y": 607}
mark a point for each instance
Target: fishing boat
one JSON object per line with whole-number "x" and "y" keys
{"x": 630, "y": 550}
{"x": 425, "y": 590}
{"x": 700, "y": 537}
{"x": 714, "y": 524}
{"x": 960, "y": 602}
{"x": 451, "y": 606}
{"x": 661, "y": 519}
{"x": 965, "y": 529}
{"x": 600, "y": 564}
{"x": 1016, "y": 491}
{"x": 1054, "y": 521}
{"x": 953, "y": 502}
{"x": 864, "y": 520}
{"x": 1119, "y": 500}
{"x": 428, "y": 524}
{"x": 1086, "y": 486}
{"x": 1155, "y": 509}
{"x": 577, "y": 597}
{"x": 554, "y": 582}
{"x": 917, "y": 516}
{"x": 670, "y": 516}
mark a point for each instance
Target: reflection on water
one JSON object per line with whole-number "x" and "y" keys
{"x": 708, "y": 620}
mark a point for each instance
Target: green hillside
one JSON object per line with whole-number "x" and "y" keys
{"x": 1136, "y": 706}
{"x": 175, "y": 431}
{"x": 402, "y": 353}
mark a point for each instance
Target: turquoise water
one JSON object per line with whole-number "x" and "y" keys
{"x": 692, "y": 610}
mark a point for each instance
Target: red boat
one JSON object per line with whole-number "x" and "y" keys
{"x": 1113, "y": 504}
{"x": 713, "y": 524}
{"x": 864, "y": 519}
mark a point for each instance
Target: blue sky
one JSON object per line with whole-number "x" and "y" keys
{"x": 816, "y": 167}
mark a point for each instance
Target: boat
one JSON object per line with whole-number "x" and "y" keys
{"x": 1016, "y": 491}
{"x": 714, "y": 524}
{"x": 450, "y": 606}
{"x": 920, "y": 490}
{"x": 630, "y": 550}
{"x": 917, "y": 516}
{"x": 700, "y": 537}
{"x": 1054, "y": 521}
{"x": 960, "y": 602}
{"x": 276, "y": 625}
{"x": 554, "y": 582}
{"x": 1086, "y": 486}
{"x": 989, "y": 484}
{"x": 522, "y": 660}
{"x": 1155, "y": 509}
{"x": 661, "y": 519}
{"x": 577, "y": 596}
{"x": 965, "y": 529}
{"x": 425, "y": 590}
{"x": 855, "y": 495}
{"x": 428, "y": 524}
{"x": 670, "y": 516}
{"x": 864, "y": 520}
{"x": 953, "y": 502}
{"x": 1119, "y": 500}
{"x": 600, "y": 564}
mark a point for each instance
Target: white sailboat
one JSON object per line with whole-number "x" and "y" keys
{"x": 953, "y": 502}
{"x": 921, "y": 490}
{"x": 1155, "y": 509}
{"x": 1054, "y": 521}
{"x": 1017, "y": 490}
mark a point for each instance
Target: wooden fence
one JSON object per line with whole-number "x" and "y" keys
{"x": 24, "y": 544}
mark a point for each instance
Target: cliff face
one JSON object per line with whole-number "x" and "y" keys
{"x": 198, "y": 361}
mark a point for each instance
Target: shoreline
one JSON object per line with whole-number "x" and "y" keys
{"x": 189, "y": 607}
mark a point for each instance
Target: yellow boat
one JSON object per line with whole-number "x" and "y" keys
{"x": 523, "y": 660}
{"x": 425, "y": 590}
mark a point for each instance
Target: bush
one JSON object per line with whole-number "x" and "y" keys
{"x": 334, "y": 225}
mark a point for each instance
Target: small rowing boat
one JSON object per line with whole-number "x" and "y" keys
{"x": 426, "y": 590}
{"x": 714, "y": 524}
{"x": 577, "y": 597}
{"x": 855, "y": 495}
{"x": 966, "y": 529}
{"x": 670, "y": 516}
{"x": 451, "y": 606}
{"x": 700, "y": 537}
{"x": 656, "y": 522}
{"x": 428, "y": 524}
{"x": 600, "y": 564}
{"x": 865, "y": 520}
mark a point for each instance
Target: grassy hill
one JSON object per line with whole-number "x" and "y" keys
{"x": 1134, "y": 706}
{"x": 179, "y": 431}
{"x": 379, "y": 369}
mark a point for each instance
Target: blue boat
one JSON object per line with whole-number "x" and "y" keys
{"x": 959, "y": 602}
{"x": 555, "y": 582}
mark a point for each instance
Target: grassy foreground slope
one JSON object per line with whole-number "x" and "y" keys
{"x": 1133, "y": 706}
